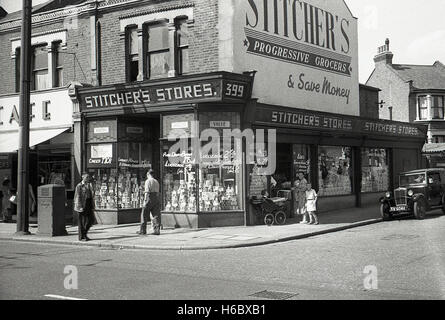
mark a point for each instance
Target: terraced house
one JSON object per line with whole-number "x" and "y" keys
{"x": 134, "y": 73}
{"x": 413, "y": 93}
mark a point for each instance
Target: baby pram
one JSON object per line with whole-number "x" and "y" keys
{"x": 271, "y": 210}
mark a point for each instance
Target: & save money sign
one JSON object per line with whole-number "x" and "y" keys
{"x": 305, "y": 52}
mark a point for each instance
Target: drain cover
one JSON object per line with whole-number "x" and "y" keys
{"x": 273, "y": 295}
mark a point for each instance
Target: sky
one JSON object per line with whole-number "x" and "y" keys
{"x": 416, "y": 30}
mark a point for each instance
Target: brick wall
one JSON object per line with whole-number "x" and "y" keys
{"x": 203, "y": 44}
{"x": 77, "y": 42}
{"x": 394, "y": 92}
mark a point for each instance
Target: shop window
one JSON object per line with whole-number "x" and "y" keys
{"x": 58, "y": 63}
{"x": 55, "y": 168}
{"x": 182, "y": 46}
{"x": 133, "y": 53}
{"x": 375, "y": 170}
{"x": 301, "y": 160}
{"x": 158, "y": 51}
{"x": 40, "y": 76}
{"x": 119, "y": 184}
{"x": 423, "y": 107}
{"x": 437, "y": 107}
{"x": 179, "y": 179}
{"x": 335, "y": 171}
{"x": 220, "y": 187}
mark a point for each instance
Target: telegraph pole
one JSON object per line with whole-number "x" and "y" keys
{"x": 25, "y": 88}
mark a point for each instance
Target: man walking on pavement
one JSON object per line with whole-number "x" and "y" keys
{"x": 152, "y": 204}
{"x": 84, "y": 205}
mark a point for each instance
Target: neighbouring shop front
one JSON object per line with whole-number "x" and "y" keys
{"x": 131, "y": 128}
{"x": 351, "y": 161}
{"x": 51, "y": 141}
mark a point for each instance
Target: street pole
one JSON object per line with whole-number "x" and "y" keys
{"x": 23, "y": 156}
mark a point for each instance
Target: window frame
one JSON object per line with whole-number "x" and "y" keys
{"x": 131, "y": 57}
{"x": 179, "y": 49}
{"x": 34, "y": 70}
{"x": 434, "y": 107}
{"x": 147, "y": 53}
{"x": 420, "y": 108}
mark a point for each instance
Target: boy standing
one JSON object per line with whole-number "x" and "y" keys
{"x": 311, "y": 204}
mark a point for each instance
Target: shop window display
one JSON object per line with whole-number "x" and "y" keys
{"x": 123, "y": 187}
{"x": 220, "y": 186}
{"x": 375, "y": 170}
{"x": 179, "y": 181}
{"x": 335, "y": 171}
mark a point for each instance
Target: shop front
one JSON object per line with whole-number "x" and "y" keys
{"x": 350, "y": 161}
{"x": 164, "y": 125}
{"x": 51, "y": 140}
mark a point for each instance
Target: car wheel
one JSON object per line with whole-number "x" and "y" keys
{"x": 420, "y": 210}
{"x": 384, "y": 212}
{"x": 269, "y": 219}
{"x": 280, "y": 218}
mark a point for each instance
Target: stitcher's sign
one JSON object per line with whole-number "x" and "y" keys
{"x": 149, "y": 94}
{"x": 320, "y": 121}
{"x": 305, "y": 52}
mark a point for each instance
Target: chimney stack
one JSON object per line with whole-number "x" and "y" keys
{"x": 384, "y": 55}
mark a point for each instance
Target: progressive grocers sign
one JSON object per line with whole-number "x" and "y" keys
{"x": 305, "y": 52}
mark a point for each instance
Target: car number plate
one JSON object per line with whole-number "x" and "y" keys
{"x": 399, "y": 208}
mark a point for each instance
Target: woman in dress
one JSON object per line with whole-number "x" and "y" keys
{"x": 300, "y": 196}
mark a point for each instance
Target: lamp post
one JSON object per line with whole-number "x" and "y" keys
{"x": 23, "y": 154}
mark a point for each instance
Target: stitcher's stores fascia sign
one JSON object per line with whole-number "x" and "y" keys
{"x": 305, "y": 52}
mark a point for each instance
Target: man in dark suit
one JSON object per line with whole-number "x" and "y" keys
{"x": 84, "y": 206}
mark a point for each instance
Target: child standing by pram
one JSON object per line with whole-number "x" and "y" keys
{"x": 311, "y": 204}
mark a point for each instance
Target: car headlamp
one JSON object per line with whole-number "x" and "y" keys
{"x": 410, "y": 193}
{"x": 388, "y": 195}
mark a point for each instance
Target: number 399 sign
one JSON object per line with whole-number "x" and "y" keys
{"x": 235, "y": 90}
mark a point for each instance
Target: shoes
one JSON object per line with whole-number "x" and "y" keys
{"x": 87, "y": 239}
{"x": 83, "y": 240}
{"x": 303, "y": 222}
{"x": 316, "y": 223}
{"x": 141, "y": 233}
{"x": 155, "y": 233}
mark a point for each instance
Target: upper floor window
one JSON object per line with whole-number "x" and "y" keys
{"x": 133, "y": 54}
{"x": 437, "y": 107}
{"x": 439, "y": 139}
{"x": 423, "y": 107}
{"x": 158, "y": 50}
{"x": 40, "y": 77}
{"x": 182, "y": 46}
{"x": 58, "y": 64}
{"x": 17, "y": 70}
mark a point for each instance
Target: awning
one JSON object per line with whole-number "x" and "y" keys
{"x": 431, "y": 148}
{"x": 9, "y": 142}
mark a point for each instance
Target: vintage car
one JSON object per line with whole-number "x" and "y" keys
{"x": 419, "y": 191}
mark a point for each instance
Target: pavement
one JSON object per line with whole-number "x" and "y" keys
{"x": 125, "y": 237}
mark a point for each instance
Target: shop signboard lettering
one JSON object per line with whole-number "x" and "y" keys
{"x": 152, "y": 94}
{"x": 219, "y": 124}
{"x": 322, "y": 121}
{"x": 101, "y": 130}
{"x": 135, "y": 130}
{"x": 47, "y": 110}
{"x": 305, "y": 52}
